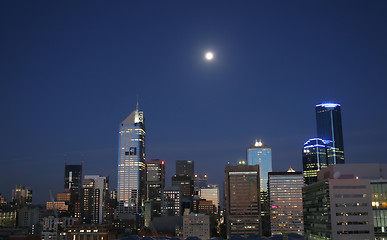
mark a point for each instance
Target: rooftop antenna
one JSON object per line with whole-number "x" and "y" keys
{"x": 82, "y": 158}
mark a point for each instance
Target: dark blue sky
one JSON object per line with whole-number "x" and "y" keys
{"x": 71, "y": 71}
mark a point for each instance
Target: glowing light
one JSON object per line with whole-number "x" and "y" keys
{"x": 328, "y": 105}
{"x": 162, "y": 162}
{"x": 209, "y": 56}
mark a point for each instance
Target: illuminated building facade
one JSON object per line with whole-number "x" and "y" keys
{"x": 314, "y": 158}
{"x": 73, "y": 178}
{"x": 185, "y": 183}
{"x": 196, "y": 225}
{"x": 21, "y": 196}
{"x": 376, "y": 175}
{"x": 155, "y": 183}
{"x": 155, "y": 179}
{"x": 260, "y": 154}
{"x": 131, "y": 166}
{"x": 242, "y": 200}
{"x": 95, "y": 195}
{"x": 171, "y": 203}
{"x": 329, "y": 127}
{"x": 285, "y": 191}
{"x": 211, "y": 193}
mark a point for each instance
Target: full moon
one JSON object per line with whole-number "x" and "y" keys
{"x": 209, "y": 56}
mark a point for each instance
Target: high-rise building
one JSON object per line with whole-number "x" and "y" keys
{"x": 285, "y": 191}
{"x": 171, "y": 202}
{"x": 200, "y": 181}
{"x": 329, "y": 127}
{"x": 95, "y": 195}
{"x": 314, "y": 158}
{"x": 211, "y": 193}
{"x": 185, "y": 167}
{"x": 131, "y": 166}
{"x": 21, "y": 196}
{"x": 155, "y": 183}
{"x": 260, "y": 154}
{"x": 155, "y": 179}
{"x": 73, "y": 178}
{"x": 375, "y": 176}
{"x": 242, "y": 200}
{"x": 185, "y": 183}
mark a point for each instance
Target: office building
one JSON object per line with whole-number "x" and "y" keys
{"x": 171, "y": 202}
{"x": 200, "y": 181}
{"x": 341, "y": 204}
{"x": 155, "y": 179}
{"x": 21, "y": 196}
{"x": 185, "y": 167}
{"x": 211, "y": 193}
{"x": 95, "y": 195}
{"x": 73, "y": 178}
{"x": 285, "y": 191}
{"x": 260, "y": 154}
{"x": 155, "y": 183}
{"x": 196, "y": 225}
{"x": 185, "y": 183}
{"x": 314, "y": 158}
{"x": 131, "y": 166}
{"x": 329, "y": 127}
{"x": 376, "y": 174}
{"x": 242, "y": 200}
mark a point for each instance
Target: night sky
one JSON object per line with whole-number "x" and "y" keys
{"x": 71, "y": 71}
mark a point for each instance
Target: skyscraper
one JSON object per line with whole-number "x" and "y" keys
{"x": 155, "y": 179}
{"x": 131, "y": 165}
{"x": 73, "y": 178}
{"x": 260, "y": 154}
{"x": 185, "y": 167}
{"x": 155, "y": 184}
{"x": 314, "y": 158}
{"x": 285, "y": 191}
{"x": 95, "y": 195}
{"x": 329, "y": 127}
{"x": 73, "y": 182}
{"x": 21, "y": 196}
{"x": 242, "y": 200}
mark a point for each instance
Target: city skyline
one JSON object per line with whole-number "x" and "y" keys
{"x": 71, "y": 72}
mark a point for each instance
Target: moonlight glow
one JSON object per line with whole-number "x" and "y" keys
{"x": 209, "y": 56}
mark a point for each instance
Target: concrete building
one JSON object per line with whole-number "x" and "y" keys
{"x": 196, "y": 225}
{"x": 21, "y": 196}
{"x": 242, "y": 200}
{"x": 211, "y": 193}
{"x": 285, "y": 191}
{"x": 341, "y": 205}
{"x": 95, "y": 195}
{"x": 171, "y": 204}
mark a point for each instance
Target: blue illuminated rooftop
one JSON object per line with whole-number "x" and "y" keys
{"x": 328, "y": 105}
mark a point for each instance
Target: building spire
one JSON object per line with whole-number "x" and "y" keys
{"x": 137, "y": 103}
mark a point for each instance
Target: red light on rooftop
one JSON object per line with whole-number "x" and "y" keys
{"x": 162, "y": 162}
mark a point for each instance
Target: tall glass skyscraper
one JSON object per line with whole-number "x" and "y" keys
{"x": 131, "y": 165}
{"x": 314, "y": 158}
{"x": 329, "y": 127}
{"x": 260, "y": 154}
